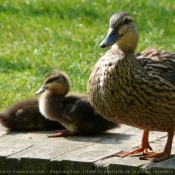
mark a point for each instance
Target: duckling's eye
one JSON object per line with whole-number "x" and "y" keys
{"x": 126, "y": 21}
{"x": 48, "y": 81}
{"x": 52, "y": 80}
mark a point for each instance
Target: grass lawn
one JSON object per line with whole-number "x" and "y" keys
{"x": 38, "y": 36}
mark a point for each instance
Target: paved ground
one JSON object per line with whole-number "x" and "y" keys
{"x": 34, "y": 153}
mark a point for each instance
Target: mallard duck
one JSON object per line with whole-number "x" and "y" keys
{"x": 134, "y": 89}
{"x": 25, "y": 116}
{"x": 73, "y": 111}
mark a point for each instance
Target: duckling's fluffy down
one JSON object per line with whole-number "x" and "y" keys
{"x": 25, "y": 115}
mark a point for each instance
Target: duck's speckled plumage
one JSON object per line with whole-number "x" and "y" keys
{"x": 139, "y": 92}
{"x": 134, "y": 89}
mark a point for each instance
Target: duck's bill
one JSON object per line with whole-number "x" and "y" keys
{"x": 111, "y": 38}
{"x": 42, "y": 89}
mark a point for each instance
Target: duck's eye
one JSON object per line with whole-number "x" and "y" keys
{"x": 48, "y": 81}
{"x": 126, "y": 21}
{"x": 52, "y": 80}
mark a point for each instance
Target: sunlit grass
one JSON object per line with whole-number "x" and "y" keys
{"x": 38, "y": 36}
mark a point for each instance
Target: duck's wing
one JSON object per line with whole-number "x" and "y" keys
{"x": 158, "y": 62}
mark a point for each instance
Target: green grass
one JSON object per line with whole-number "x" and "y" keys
{"x": 38, "y": 36}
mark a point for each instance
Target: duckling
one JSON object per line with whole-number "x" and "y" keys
{"x": 25, "y": 116}
{"x": 73, "y": 111}
{"x": 134, "y": 89}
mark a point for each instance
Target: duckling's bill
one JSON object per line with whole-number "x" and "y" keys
{"x": 42, "y": 89}
{"x": 111, "y": 38}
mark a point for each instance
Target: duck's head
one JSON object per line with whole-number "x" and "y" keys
{"x": 122, "y": 32}
{"x": 55, "y": 82}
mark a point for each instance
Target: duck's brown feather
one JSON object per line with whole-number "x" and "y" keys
{"x": 73, "y": 111}
{"x": 138, "y": 92}
{"x": 25, "y": 116}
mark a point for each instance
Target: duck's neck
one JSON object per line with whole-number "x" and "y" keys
{"x": 50, "y": 105}
{"x": 53, "y": 94}
{"x": 128, "y": 42}
{"x": 128, "y": 59}
{"x": 125, "y": 51}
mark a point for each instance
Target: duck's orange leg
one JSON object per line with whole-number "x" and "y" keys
{"x": 156, "y": 157}
{"x": 62, "y": 133}
{"x": 142, "y": 149}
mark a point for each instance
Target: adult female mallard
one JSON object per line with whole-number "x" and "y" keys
{"x": 137, "y": 90}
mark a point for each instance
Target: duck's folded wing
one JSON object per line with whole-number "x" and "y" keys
{"x": 158, "y": 62}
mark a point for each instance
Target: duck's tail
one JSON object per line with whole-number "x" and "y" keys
{"x": 28, "y": 123}
{"x": 11, "y": 123}
{"x": 4, "y": 121}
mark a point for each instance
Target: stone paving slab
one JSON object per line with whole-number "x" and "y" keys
{"x": 34, "y": 153}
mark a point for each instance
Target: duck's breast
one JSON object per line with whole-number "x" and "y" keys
{"x": 125, "y": 95}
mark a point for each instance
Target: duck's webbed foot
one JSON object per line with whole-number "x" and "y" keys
{"x": 155, "y": 157}
{"x": 145, "y": 155}
{"x": 141, "y": 151}
{"x": 62, "y": 133}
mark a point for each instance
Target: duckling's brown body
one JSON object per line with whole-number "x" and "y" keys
{"x": 25, "y": 116}
{"x": 140, "y": 91}
{"x": 74, "y": 112}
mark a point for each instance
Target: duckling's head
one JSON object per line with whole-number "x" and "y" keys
{"x": 55, "y": 82}
{"x": 122, "y": 32}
